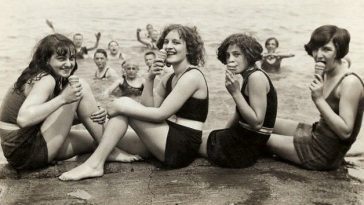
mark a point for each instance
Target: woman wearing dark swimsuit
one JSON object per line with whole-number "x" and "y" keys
{"x": 184, "y": 94}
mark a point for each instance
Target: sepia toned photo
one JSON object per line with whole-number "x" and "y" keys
{"x": 181, "y": 102}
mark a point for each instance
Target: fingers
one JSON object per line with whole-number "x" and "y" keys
{"x": 318, "y": 77}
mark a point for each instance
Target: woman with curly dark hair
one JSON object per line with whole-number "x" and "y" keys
{"x": 184, "y": 94}
{"x": 38, "y": 111}
{"x": 240, "y": 144}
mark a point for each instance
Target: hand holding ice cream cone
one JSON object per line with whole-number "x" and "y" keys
{"x": 320, "y": 68}
{"x": 73, "y": 80}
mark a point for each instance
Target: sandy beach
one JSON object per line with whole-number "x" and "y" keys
{"x": 23, "y": 24}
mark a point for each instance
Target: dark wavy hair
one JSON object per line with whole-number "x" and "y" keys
{"x": 250, "y": 47}
{"x": 272, "y": 38}
{"x": 324, "y": 34}
{"x": 39, "y": 67}
{"x": 195, "y": 45}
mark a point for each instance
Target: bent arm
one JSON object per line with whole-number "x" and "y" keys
{"x": 98, "y": 35}
{"x": 184, "y": 89}
{"x": 254, "y": 113}
{"x": 141, "y": 40}
{"x": 343, "y": 123}
{"x": 113, "y": 86}
{"x": 289, "y": 55}
{"x": 36, "y": 107}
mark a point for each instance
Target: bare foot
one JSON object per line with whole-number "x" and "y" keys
{"x": 81, "y": 172}
{"x": 118, "y": 155}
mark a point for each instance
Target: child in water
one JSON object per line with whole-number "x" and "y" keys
{"x": 114, "y": 51}
{"x": 131, "y": 85}
{"x": 82, "y": 51}
{"x": 272, "y": 59}
{"x": 103, "y": 72}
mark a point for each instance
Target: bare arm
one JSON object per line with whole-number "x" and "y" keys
{"x": 184, "y": 89}
{"x": 288, "y": 55}
{"x": 140, "y": 39}
{"x": 350, "y": 94}
{"x": 37, "y": 107}
{"x": 255, "y": 112}
{"x": 113, "y": 86}
{"x": 97, "y": 35}
{"x": 149, "y": 98}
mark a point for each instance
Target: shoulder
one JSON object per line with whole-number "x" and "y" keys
{"x": 194, "y": 74}
{"x": 41, "y": 82}
{"x": 258, "y": 79}
{"x": 352, "y": 81}
{"x": 45, "y": 79}
{"x": 257, "y": 75}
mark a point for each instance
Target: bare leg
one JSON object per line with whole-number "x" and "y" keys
{"x": 132, "y": 144}
{"x": 285, "y": 127}
{"x": 56, "y": 127}
{"x": 87, "y": 106}
{"x": 203, "y": 147}
{"x": 94, "y": 165}
{"x": 283, "y": 146}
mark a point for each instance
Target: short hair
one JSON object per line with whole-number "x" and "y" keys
{"x": 194, "y": 44}
{"x": 324, "y": 34}
{"x": 149, "y": 53}
{"x": 102, "y": 51}
{"x": 112, "y": 41}
{"x": 77, "y": 34}
{"x": 129, "y": 62}
{"x": 272, "y": 38}
{"x": 250, "y": 47}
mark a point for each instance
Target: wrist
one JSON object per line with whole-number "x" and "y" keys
{"x": 234, "y": 94}
{"x": 150, "y": 77}
{"x": 318, "y": 100}
{"x": 61, "y": 100}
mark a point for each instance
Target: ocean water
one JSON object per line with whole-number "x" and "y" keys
{"x": 23, "y": 24}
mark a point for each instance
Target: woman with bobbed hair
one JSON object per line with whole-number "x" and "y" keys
{"x": 338, "y": 96}
{"x": 184, "y": 94}
{"x": 240, "y": 144}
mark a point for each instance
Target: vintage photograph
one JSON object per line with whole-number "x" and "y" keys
{"x": 181, "y": 102}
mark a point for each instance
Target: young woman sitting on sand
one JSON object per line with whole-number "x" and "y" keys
{"x": 338, "y": 95}
{"x": 239, "y": 145}
{"x": 272, "y": 59}
{"x": 38, "y": 111}
{"x": 184, "y": 94}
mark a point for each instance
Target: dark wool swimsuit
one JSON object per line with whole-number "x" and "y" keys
{"x": 240, "y": 145}
{"x": 183, "y": 142}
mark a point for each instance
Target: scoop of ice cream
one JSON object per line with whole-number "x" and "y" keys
{"x": 73, "y": 79}
{"x": 231, "y": 66}
{"x": 319, "y": 68}
{"x": 161, "y": 55}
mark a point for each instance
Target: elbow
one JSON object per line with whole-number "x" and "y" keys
{"x": 257, "y": 126}
{"x": 22, "y": 122}
{"x": 160, "y": 117}
{"x": 346, "y": 134}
